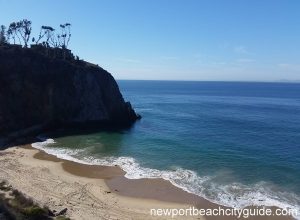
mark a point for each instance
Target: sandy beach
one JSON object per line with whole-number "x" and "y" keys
{"x": 94, "y": 192}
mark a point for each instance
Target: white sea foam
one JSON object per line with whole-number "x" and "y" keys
{"x": 234, "y": 195}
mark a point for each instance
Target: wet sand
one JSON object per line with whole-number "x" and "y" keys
{"x": 158, "y": 189}
{"x": 154, "y": 189}
{"x": 95, "y": 192}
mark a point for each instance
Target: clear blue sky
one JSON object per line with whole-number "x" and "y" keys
{"x": 256, "y": 40}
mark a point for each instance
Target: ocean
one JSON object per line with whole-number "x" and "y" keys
{"x": 233, "y": 143}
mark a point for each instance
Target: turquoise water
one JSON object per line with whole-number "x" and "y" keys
{"x": 234, "y": 143}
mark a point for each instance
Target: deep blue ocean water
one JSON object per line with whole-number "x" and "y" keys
{"x": 235, "y": 143}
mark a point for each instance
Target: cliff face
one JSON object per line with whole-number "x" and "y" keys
{"x": 36, "y": 89}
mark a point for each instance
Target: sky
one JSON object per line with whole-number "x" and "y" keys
{"x": 224, "y": 40}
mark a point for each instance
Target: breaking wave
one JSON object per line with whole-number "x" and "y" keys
{"x": 234, "y": 195}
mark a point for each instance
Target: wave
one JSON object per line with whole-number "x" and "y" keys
{"x": 235, "y": 195}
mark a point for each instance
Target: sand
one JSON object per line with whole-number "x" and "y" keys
{"x": 93, "y": 192}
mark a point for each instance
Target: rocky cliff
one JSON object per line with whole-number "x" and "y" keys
{"x": 37, "y": 89}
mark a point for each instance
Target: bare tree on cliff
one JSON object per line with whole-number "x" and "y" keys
{"x": 65, "y": 36}
{"x": 13, "y": 31}
{"x": 3, "y": 39}
{"x": 24, "y": 29}
{"x": 46, "y": 31}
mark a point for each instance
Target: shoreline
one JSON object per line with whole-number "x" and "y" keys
{"x": 136, "y": 196}
{"x": 114, "y": 177}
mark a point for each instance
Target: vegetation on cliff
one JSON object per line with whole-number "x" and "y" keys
{"x": 49, "y": 41}
{"x": 20, "y": 32}
{"x": 14, "y": 205}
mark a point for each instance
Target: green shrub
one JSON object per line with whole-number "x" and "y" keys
{"x": 21, "y": 199}
{"x": 62, "y": 218}
{"x": 34, "y": 212}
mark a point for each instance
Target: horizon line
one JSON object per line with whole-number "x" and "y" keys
{"x": 241, "y": 81}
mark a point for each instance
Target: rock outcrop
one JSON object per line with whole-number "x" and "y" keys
{"x": 38, "y": 89}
